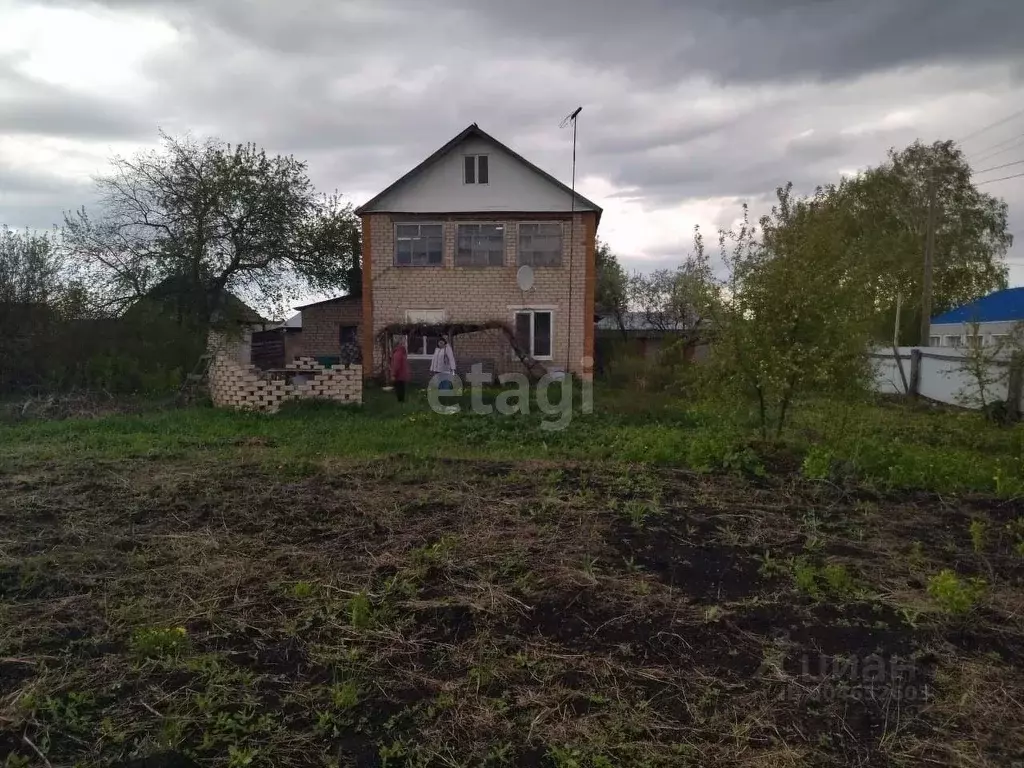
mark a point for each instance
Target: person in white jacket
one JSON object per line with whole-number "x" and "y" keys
{"x": 443, "y": 362}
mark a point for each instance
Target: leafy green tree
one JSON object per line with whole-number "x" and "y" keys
{"x": 671, "y": 300}
{"x": 38, "y": 295}
{"x": 792, "y": 315}
{"x": 30, "y": 268}
{"x": 889, "y": 205}
{"x": 612, "y": 285}
{"x": 210, "y": 218}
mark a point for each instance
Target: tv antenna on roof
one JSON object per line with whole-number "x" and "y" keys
{"x": 571, "y": 118}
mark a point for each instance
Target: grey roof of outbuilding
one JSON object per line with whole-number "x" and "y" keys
{"x": 336, "y": 299}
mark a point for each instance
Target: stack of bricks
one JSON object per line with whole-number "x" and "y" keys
{"x": 233, "y": 385}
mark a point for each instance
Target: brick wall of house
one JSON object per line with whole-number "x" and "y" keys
{"x": 321, "y": 326}
{"x": 478, "y": 294}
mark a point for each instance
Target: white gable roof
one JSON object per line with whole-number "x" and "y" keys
{"x": 514, "y": 184}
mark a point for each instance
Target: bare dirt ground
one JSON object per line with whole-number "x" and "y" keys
{"x": 479, "y": 613}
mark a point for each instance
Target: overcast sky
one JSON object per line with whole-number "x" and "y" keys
{"x": 690, "y": 106}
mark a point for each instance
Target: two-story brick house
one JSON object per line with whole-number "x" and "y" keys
{"x": 444, "y": 243}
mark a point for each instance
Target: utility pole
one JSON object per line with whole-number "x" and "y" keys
{"x": 929, "y": 257}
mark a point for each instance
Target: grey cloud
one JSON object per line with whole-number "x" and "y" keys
{"x": 37, "y": 201}
{"x": 31, "y": 107}
{"x": 658, "y": 40}
{"x": 364, "y": 90}
{"x": 762, "y": 40}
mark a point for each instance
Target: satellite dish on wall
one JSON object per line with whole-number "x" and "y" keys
{"x": 524, "y": 277}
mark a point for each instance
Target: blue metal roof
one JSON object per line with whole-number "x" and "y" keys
{"x": 1006, "y": 305}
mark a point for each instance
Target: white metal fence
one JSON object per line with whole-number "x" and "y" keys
{"x": 938, "y": 373}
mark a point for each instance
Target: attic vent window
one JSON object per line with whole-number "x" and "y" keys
{"x": 476, "y": 170}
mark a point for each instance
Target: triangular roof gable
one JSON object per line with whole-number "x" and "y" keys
{"x": 474, "y": 131}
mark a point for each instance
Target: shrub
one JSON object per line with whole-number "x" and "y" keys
{"x": 1016, "y": 530}
{"x": 301, "y": 590}
{"x": 345, "y": 695}
{"x": 159, "y": 641}
{"x": 954, "y": 595}
{"x": 978, "y": 533}
{"x": 640, "y": 512}
{"x": 817, "y": 464}
{"x": 805, "y": 576}
{"x": 832, "y": 580}
{"x": 709, "y": 452}
{"x": 360, "y": 611}
{"x": 838, "y": 580}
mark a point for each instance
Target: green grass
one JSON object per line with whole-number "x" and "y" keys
{"x": 203, "y": 587}
{"x": 886, "y": 445}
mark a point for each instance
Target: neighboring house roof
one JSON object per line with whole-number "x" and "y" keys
{"x": 336, "y": 300}
{"x": 293, "y": 323}
{"x": 234, "y": 307}
{"x": 1002, "y": 306}
{"x": 474, "y": 131}
{"x": 637, "y": 322}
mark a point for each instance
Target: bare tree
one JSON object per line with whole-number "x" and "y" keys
{"x": 206, "y": 218}
{"x": 674, "y": 301}
{"x": 988, "y": 365}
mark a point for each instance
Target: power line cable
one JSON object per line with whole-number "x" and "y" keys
{"x": 1004, "y": 178}
{"x": 1017, "y": 141}
{"x": 997, "y": 167}
{"x": 990, "y": 126}
{"x": 985, "y": 150}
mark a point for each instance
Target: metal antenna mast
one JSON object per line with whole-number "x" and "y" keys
{"x": 571, "y": 118}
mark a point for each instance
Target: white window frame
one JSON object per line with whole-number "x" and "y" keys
{"x": 561, "y": 244}
{"x": 952, "y": 341}
{"x": 425, "y": 317}
{"x": 504, "y": 242}
{"x": 476, "y": 170}
{"x": 934, "y": 341}
{"x": 533, "y": 311}
{"x": 418, "y": 224}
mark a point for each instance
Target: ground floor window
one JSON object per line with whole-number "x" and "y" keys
{"x": 534, "y": 332}
{"x": 348, "y": 334}
{"x": 422, "y": 345}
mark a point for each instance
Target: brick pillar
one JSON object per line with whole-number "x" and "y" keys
{"x": 367, "y": 301}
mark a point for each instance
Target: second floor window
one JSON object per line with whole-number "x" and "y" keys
{"x": 419, "y": 245}
{"x": 480, "y": 245}
{"x": 540, "y": 244}
{"x": 476, "y": 170}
